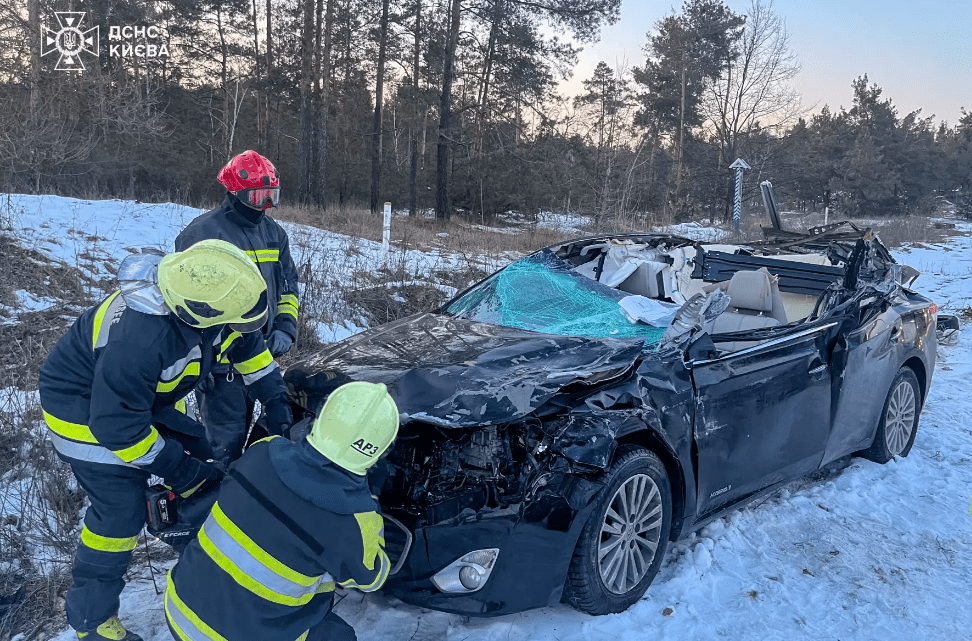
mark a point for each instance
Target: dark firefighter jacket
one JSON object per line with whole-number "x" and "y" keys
{"x": 129, "y": 358}
{"x": 265, "y": 242}
{"x": 287, "y": 527}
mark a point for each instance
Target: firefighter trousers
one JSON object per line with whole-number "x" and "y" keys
{"x": 108, "y": 536}
{"x": 331, "y": 628}
{"x": 110, "y": 531}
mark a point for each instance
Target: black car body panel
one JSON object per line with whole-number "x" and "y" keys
{"x": 453, "y": 372}
{"x": 507, "y": 432}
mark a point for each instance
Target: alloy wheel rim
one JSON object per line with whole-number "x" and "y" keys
{"x": 630, "y": 534}
{"x": 899, "y": 421}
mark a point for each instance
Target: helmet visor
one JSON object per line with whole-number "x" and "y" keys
{"x": 260, "y": 198}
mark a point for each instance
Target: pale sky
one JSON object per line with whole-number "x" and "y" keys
{"x": 918, "y": 51}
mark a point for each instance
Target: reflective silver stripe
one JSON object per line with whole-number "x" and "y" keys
{"x": 116, "y": 307}
{"x": 86, "y": 452}
{"x": 186, "y": 628}
{"x": 149, "y": 457}
{"x": 253, "y": 568}
{"x": 171, "y": 372}
{"x": 250, "y": 379}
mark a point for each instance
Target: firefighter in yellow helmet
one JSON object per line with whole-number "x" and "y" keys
{"x": 294, "y": 520}
{"x": 109, "y": 390}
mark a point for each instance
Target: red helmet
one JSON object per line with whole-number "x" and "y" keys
{"x": 253, "y": 179}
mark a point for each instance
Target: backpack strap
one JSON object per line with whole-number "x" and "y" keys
{"x": 277, "y": 513}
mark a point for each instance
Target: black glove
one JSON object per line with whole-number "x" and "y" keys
{"x": 279, "y": 417}
{"x": 279, "y": 343}
{"x": 192, "y": 475}
{"x": 176, "y": 421}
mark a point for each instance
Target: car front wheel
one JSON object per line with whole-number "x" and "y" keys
{"x": 623, "y": 543}
{"x": 899, "y": 420}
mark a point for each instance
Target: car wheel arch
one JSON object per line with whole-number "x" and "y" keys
{"x": 916, "y": 365}
{"x": 652, "y": 441}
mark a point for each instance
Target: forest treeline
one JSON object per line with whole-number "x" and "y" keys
{"x": 452, "y": 105}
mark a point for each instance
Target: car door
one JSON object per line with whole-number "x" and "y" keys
{"x": 867, "y": 358}
{"x": 762, "y": 414}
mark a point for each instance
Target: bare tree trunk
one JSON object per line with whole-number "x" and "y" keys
{"x": 306, "y": 157}
{"x": 377, "y": 129}
{"x": 266, "y": 97}
{"x": 313, "y": 181}
{"x": 681, "y": 138}
{"x": 33, "y": 29}
{"x": 324, "y": 74}
{"x": 223, "y": 74}
{"x": 487, "y": 72}
{"x": 443, "y": 205}
{"x": 413, "y": 182}
{"x": 256, "y": 59}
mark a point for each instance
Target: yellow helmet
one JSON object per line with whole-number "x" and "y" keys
{"x": 357, "y": 424}
{"x": 214, "y": 283}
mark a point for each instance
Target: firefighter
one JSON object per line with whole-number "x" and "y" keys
{"x": 292, "y": 521}
{"x": 108, "y": 390}
{"x": 252, "y": 187}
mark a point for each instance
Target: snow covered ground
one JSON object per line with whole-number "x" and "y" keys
{"x": 869, "y": 552}
{"x": 96, "y": 235}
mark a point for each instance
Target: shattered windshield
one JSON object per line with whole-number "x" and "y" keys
{"x": 543, "y": 294}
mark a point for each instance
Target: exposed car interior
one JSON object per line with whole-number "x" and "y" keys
{"x": 673, "y": 274}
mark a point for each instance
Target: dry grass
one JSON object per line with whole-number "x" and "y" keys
{"x": 39, "y": 499}
{"x": 27, "y": 340}
{"x": 36, "y": 609}
{"x": 457, "y": 235}
{"x": 39, "y": 506}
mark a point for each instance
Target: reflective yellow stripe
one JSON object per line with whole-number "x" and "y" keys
{"x": 180, "y": 405}
{"x": 100, "y": 317}
{"x": 72, "y": 431}
{"x": 289, "y": 298}
{"x": 253, "y": 568}
{"x": 264, "y": 255}
{"x": 244, "y": 579}
{"x": 286, "y": 309}
{"x": 186, "y": 623}
{"x": 254, "y": 364}
{"x": 226, "y": 345}
{"x": 373, "y": 542}
{"x": 372, "y": 536}
{"x": 129, "y": 454}
{"x": 107, "y": 543}
{"x": 192, "y": 369}
{"x": 193, "y": 489}
{"x": 383, "y": 568}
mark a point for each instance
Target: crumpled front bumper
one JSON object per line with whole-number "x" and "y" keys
{"x": 536, "y": 543}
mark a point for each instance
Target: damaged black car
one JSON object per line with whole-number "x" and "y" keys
{"x": 567, "y": 417}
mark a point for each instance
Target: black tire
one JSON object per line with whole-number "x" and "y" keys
{"x": 604, "y": 586}
{"x": 899, "y": 419}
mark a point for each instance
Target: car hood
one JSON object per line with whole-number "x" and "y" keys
{"x": 454, "y": 372}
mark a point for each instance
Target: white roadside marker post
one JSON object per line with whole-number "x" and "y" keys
{"x": 386, "y": 235}
{"x": 739, "y": 166}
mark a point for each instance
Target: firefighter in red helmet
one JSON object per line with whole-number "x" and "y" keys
{"x": 252, "y": 187}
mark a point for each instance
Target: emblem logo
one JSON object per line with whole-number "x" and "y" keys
{"x": 70, "y": 41}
